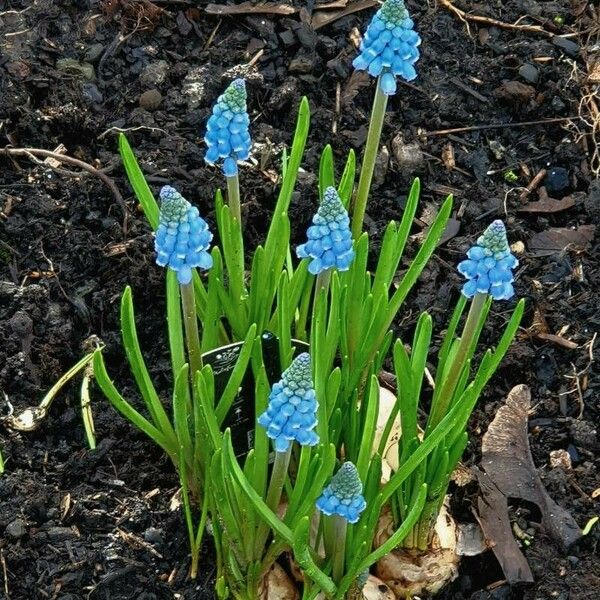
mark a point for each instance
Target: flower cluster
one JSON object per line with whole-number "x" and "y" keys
{"x": 489, "y": 266}
{"x": 227, "y": 135}
{"x": 329, "y": 238}
{"x": 292, "y": 410}
{"x": 390, "y": 46}
{"x": 343, "y": 496}
{"x": 182, "y": 238}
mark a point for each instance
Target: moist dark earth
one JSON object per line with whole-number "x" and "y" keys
{"x": 79, "y": 524}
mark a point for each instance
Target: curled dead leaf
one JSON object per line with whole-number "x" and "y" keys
{"x": 509, "y": 472}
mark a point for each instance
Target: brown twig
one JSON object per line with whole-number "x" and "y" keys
{"x": 498, "y": 126}
{"x": 463, "y": 16}
{"x": 532, "y": 184}
{"x": 32, "y": 152}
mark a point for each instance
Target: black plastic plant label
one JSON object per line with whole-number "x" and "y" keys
{"x": 242, "y": 418}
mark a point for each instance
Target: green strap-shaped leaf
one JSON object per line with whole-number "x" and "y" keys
{"x": 233, "y": 468}
{"x": 138, "y": 182}
{"x": 115, "y": 398}
{"x": 138, "y": 367}
{"x": 346, "y": 186}
{"x": 326, "y": 170}
{"x": 303, "y": 556}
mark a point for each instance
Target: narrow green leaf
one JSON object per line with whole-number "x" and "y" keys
{"x": 138, "y": 182}
{"x": 326, "y": 170}
{"x": 138, "y": 367}
{"x": 346, "y": 186}
{"x": 115, "y": 398}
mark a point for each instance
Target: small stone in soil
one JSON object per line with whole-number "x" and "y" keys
{"x": 151, "y": 99}
{"x": 529, "y": 73}
{"x": 558, "y": 106}
{"x": 303, "y": 62}
{"x": 16, "y": 529}
{"x": 556, "y": 180}
{"x": 409, "y": 157}
{"x": 94, "y": 52}
{"x": 567, "y": 46}
{"x": 154, "y": 536}
{"x": 154, "y": 74}
{"x": 91, "y": 93}
{"x": 514, "y": 92}
{"x": 70, "y": 65}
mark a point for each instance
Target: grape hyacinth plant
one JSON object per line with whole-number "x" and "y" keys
{"x": 389, "y": 49}
{"x": 182, "y": 238}
{"x": 228, "y": 139}
{"x": 342, "y": 501}
{"x": 329, "y": 244}
{"x": 489, "y": 265}
{"x": 291, "y": 348}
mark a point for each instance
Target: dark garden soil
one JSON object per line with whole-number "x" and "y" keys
{"x": 106, "y": 524}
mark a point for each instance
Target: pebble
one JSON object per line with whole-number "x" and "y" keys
{"x": 195, "y": 86}
{"x": 409, "y": 157}
{"x": 154, "y": 74}
{"x": 16, "y": 529}
{"x": 150, "y": 99}
{"x": 515, "y": 92}
{"x": 304, "y": 62}
{"x": 584, "y": 434}
{"x": 94, "y": 52}
{"x": 567, "y": 46}
{"x": 70, "y": 65}
{"x": 556, "y": 180}
{"x": 529, "y": 73}
{"x": 154, "y": 536}
{"x": 91, "y": 93}
{"x": 558, "y": 106}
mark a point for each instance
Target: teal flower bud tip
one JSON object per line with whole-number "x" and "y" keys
{"x": 227, "y": 136}
{"x": 489, "y": 265}
{"x": 291, "y": 414}
{"x": 329, "y": 242}
{"x": 182, "y": 238}
{"x": 343, "y": 496}
{"x": 390, "y": 46}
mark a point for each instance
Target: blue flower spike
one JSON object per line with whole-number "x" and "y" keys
{"x": 291, "y": 414}
{"x": 182, "y": 238}
{"x": 329, "y": 242}
{"x": 489, "y": 265}
{"x": 343, "y": 496}
{"x": 390, "y": 46}
{"x": 227, "y": 135}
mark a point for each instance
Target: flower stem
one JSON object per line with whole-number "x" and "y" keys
{"x": 368, "y": 162}
{"x": 335, "y": 544}
{"x": 323, "y": 279}
{"x": 233, "y": 196}
{"x": 444, "y": 397}
{"x": 190, "y": 321}
{"x": 278, "y": 475}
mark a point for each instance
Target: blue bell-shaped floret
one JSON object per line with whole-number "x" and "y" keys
{"x": 390, "y": 46}
{"x": 227, "y": 136}
{"x": 182, "y": 238}
{"x": 489, "y": 265}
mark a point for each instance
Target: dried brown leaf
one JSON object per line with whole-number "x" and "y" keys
{"x": 556, "y": 239}
{"x": 548, "y": 206}
{"x": 507, "y": 462}
{"x": 322, "y": 18}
